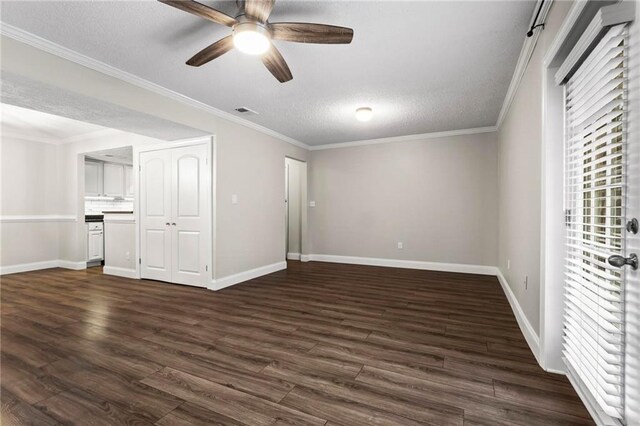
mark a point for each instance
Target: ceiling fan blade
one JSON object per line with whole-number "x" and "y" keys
{"x": 202, "y": 11}
{"x": 211, "y": 52}
{"x": 301, "y": 32}
{"x": 276, "y": 64}
{"x": 258, "y": 9}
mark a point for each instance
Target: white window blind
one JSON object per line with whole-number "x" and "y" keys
{"x": 595, "y": 114}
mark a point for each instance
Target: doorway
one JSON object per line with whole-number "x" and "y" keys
{"x": 295, "y": 209}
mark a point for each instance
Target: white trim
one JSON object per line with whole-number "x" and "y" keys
{"x": 76, "y": 266}
{"x": 293, "y": 256}
{"x": 556, "y": 371}
{"x": 36, "y": 266}
{"x": 523, "y": 60}
{"x": 525, "y": 326}
{"x": 305, "y": 258}
{"x": 408, "y": 264}
{"x": 25, "y": 267}
{"x": 230, "y": 280}
{"x": 120, "y": 272}
{"x": 37, "y": 218}
{"x": 406, "y": 138}
{"x": 564, "y": 31}
{"x": 68, "y": 54}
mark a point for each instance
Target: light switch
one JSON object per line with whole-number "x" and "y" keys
{"x": 234, "y": 199}
{"x": 312, "y": 203}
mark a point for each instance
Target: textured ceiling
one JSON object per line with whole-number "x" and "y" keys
{"x": 424, "y": 66}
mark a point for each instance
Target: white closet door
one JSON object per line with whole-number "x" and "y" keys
{"x": 190, "y": 213}
{"x": 155, "y": 215}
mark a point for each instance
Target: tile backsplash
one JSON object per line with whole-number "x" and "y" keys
{"x": 97, "y": 206}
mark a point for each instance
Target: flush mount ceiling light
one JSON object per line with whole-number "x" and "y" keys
{"x": 251, "y": 38}
{"x": 364, "y": 114}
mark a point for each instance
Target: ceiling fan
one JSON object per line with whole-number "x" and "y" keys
{"x": 253, "y": 33}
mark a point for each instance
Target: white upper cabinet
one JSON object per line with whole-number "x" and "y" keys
{"x": 113, "y": 180}
{"x": 92, "y": 178}
{"x": 128, "y": 181}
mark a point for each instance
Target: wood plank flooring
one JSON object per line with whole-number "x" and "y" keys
{"x": 317, "y": 344}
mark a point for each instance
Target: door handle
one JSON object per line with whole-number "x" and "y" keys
{"x": 620, "y": 261}
{"x": 173, "y": 223}
{"x": 167, "y": 224}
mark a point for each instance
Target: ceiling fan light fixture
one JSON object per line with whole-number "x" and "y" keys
{"x": 364, "y": 114}
{"x": 251, "y": 38}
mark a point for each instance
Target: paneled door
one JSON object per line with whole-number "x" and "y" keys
{"x": 190, "y": 218}
{"x": 175, "y": 215}
{"x": 155, "y": 215}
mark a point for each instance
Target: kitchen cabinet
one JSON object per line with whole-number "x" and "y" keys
{"x": 95, "y": 242}
{"x": 128, "y": 181}
{"x": 113, "y": 184}
{"x": 92, "y": 178}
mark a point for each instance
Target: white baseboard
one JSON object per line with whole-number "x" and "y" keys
{"x": 36, "y": 266}
{"x": 67, "y": 264}
{"x": 293, "y": 256}
{"x": 410, "y": 264}
{"x": 120, "y": 272}
{"x": 230, "y": 280}
{"x": 525, "y": 326}
{"x": 305, "y": 258}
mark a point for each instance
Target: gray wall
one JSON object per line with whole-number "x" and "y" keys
{"x": 436, "y": 196}
{"x": 520, "y": 168}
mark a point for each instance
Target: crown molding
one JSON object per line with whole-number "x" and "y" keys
{"x": 407, "y": 138}
{"x": 78, "y": 58}
{"x": 523, "y": 60}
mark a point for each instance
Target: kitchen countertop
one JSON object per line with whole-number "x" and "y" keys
{"x": 117, "y": 212}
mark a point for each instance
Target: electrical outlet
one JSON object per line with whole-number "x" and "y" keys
{"x": 234, "y": 199}
{"x": 127, "y": 255}
{"x": 400, "y": 245}
{"x": 312, "y": 203}
{"x": 526, "y": 282}
{"x": 508, "y": 264}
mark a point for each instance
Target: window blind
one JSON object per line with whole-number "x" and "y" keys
{"x": 595, "y": 114}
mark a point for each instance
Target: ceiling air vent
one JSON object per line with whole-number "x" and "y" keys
{"x": 246, "y": 111}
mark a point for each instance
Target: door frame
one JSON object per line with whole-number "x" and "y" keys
{"x": 210, "y": 141}
{"x": 304, "y": 208}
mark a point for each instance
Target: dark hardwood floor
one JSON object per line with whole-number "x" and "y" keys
{"x": 318, "y": 344}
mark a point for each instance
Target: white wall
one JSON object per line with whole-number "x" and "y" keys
{"x": 519, "y": 164}
{"x": 249, "y": 234}
{"x": 120, "y": 244}
{"x": 42, "y": 197}
{"x": 436, "y": 196}
{"x": 29, "y": 198}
